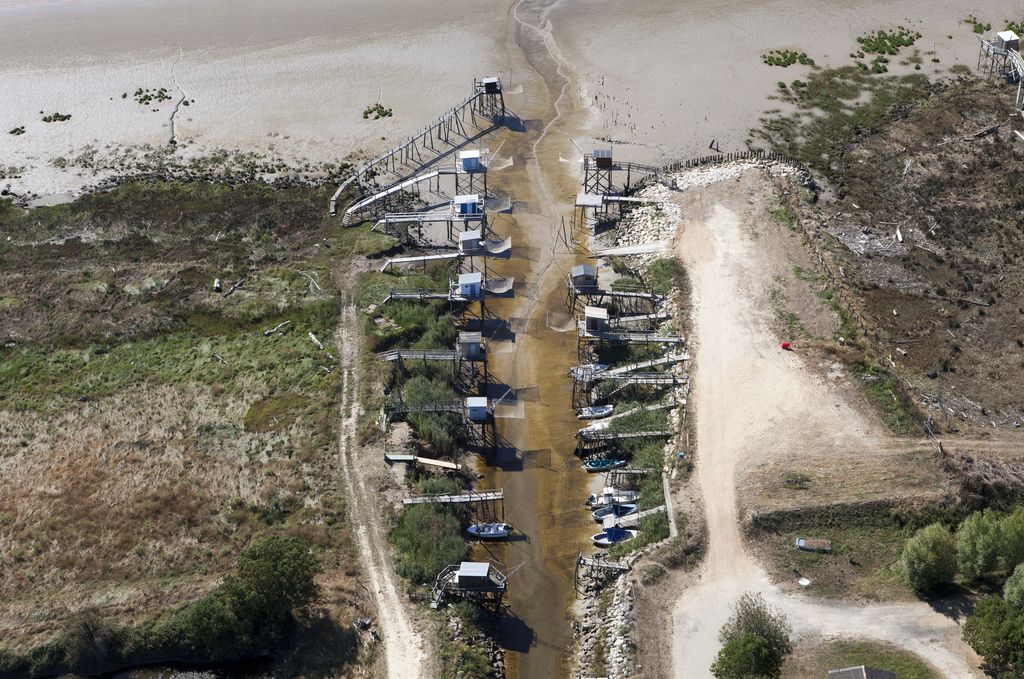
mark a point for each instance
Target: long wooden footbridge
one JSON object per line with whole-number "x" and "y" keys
{"x": 476, "y": 115}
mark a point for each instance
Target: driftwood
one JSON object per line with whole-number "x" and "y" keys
{"x": 312, "y": 282}
{"x": 985, "y": 131}
{"x": 317, "y": 342}
{"x": 279, "y": 326}
{"x": 238, "y": 284}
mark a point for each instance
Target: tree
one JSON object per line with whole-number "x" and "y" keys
{"x": 996, "y": 632}
{"x": 978, "y": 544}
{"x": 1013, "y": 590}
{"x": 929, "y": 558}
{"x": 1012, "y": 528}
{"x": 275, "y": 578}
{"x": 752, "y": 617}
{"x": 745, "y": 656}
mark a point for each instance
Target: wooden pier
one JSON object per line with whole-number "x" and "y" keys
{"x": 481, "y": 112}
{"x": 606, "y": 435}
{"x": 457, "y": 498}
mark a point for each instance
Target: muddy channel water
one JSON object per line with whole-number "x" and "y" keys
{"x": 543, "y": 483}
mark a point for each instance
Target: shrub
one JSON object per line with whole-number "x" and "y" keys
{"x": 428, "y": 537}
{"x": 752, "y": 617}
{"x": 745, "y": 656}
{"x": 1013, "y": 590}
{"x": 978, "y": 544}
{"x": 929, "y": 558}
{"x": 996, "y": 632}
{"x": 1012, "y": 534}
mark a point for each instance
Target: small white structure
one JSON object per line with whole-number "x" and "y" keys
{"x": 471, "y": 284}
{"x": 468, "y": 206}
{"x": 595, "y": 319}
{"x": 471, "y": 241}
{"x": 603, "y": 158}
{"x": 492, "y": 85}
{"x": 471, "y": 346}
{"x": 584, "y": 276}
{"x": 469, "y": 161}
{"x": 1007, "y": 40}
{"x": 476, "y": 408}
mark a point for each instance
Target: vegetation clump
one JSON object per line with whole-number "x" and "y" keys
{"x": 428, "y": 537}
{"x": 976, "y": 25}
{"x": 929, "y": 558}
{"x": 56, "y": 117}
{"x": 755, "y": 641}
{"x": 17, "y": 130}
{"x": 146, "y": 95}
{"x": 888, "y": 42}
{"x": 786, "y": 58}
{"x": 376, "y": 112}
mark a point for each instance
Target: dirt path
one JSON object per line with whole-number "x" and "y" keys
{"x": 752, "y": 399}
{"x": 403, "y": 645}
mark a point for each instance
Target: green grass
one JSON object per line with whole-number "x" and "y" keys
{"x": 34, "y": 377}
{"x": 850, "y": 653}
{"x": 427, "y": 537}
{"x": 786, "y": 217}
{"x": 883, "y": 391}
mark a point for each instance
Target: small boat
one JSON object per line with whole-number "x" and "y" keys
{"x": 612, "y": 536}
{"x": 602, "y": 465}
{"x": 595, "y": 412}
{"x": 611, "y": 496}
{"x": 587, "y": 370}
{"x": 613, "y": 510}
{"x": 490, "y": 531}
{"x": 596, "y": 426}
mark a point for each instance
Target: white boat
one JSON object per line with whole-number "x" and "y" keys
{"x": 490, "y": 531}
{"x": 595, "y": 412}
{"x": 596, "y": 426}
{"x": 613, "y": 510}
{"x": 611, "y": 496}
{"x": 587, "y": 370}
{"x": 612, "y": 536}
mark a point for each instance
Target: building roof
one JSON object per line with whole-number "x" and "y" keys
{"x": 468, "y": 198}
{"x": 861, "y": 672}
{"x": 584, "y": 270}
{"x": 470, "y": 278}
{"x": 465, "y": 337}
{"x": 470, "y": 235}
{"x": 474, "y": 569}
{"x": 474, "y": 153}
{"x": 589, "y": 200}
{"x": 1007, "y": 36}
{"x": 476, "y": 402}
{"x": 595, "y": 312}
{"x": 489, "y": 79}
{"x": 602, "y": 153}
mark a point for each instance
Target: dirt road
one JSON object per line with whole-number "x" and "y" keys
{"x": 752, "y": 399}
{"x": 402, "y": 643}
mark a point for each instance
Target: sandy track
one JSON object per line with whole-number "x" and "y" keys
{"x": 754, "y": 400}
{"x": 402, "y": 643}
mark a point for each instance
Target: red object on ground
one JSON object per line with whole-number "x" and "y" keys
{"x": 786, "y": 346}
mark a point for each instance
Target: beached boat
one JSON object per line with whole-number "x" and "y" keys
{"x": 490, "y": 531}
{"x": 596, "y": 426}
{"x": 612, "y": 536}
{"x": 611, "y": 496}
{"x": 613, "y": 510}
{"x": 587, "y": 370}
{"x": 595, "y": 412}
{"x": 603, "y": 465}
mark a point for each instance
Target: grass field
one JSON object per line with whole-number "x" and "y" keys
{"x": 151, "y": 428}
{"x": 815, "y": 660}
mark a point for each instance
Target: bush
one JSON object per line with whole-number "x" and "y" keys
{"x": 745, "y": 656}
{"x": 929, "y": 558}
{"x": 1013, "y": 590}
{"x": 742, "y": 656}
{"x": 996, "y": 632}
{"x": 428, "y": 537}
{"x": 1012, "y": 529}
{"x": 978, "y": 544}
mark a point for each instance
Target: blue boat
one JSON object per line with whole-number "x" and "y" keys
{"x": 603, "y": 465}
{"x": 611, "y": 536}
{"x": 615, "y": 510}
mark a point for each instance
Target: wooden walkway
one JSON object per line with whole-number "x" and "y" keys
{"x": 605, "y": 435}
{"x": 457, "y": 498}
{"x": 632, "y": 367}
{"x": 421, "y": 354}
